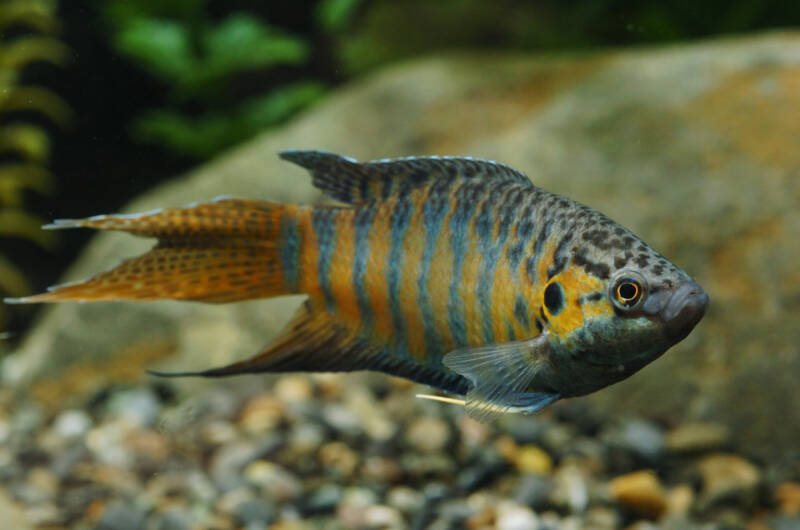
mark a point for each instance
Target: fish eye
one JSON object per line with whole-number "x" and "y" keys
{"x": 628, "y": 290}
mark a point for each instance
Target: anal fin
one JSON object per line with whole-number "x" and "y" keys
{"x": 317, "y": 341}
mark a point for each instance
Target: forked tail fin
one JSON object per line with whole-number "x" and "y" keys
{"x": 220, "y": 251}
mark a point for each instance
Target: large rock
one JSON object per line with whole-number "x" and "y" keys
{"x": 693, "y": 147}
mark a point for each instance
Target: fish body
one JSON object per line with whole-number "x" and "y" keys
{"x": 454, "y": 272}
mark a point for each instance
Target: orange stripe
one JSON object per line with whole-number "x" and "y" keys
{"x": 309, "y": 256}
{"x": 503, "y": 293}
{"x": 413, "y": 246}
{"x": 341, "y": 268}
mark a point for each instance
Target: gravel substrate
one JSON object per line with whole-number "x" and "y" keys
{"x": 351, "y": 451}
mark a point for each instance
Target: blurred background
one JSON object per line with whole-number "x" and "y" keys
{"x": 678, "y": 119}
{"x": 103, "y": 99}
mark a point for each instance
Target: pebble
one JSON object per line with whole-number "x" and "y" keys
{"x": 382, "y": 470}
{"x": 679, "y": 501}
{"x": 383, "y": 517}
{"x": 42, "y": 515}
{"x": 218, "y": 432}
{"x": 352, "y": 509}
{"x": 150, "y": 448}
{"x": 376, "y": 423}
{"x": 557, "y": 437}
{"x": 231, "y": 459}
{"x": 644, "y": 439}
{"x": 728, "y": 477}
{"x": 228, "y": 502}
{"x": 601, "y": 518}
{"x": 788, "y": 496}
{"x": 472, "y": 433}
{"x": 253, "y": 511}
{"x": 532, "y": 459}
{"x": 322, "y": 500}
{"x": 697, "y": 437}
{"x": 71, "y": 424}
{"x": 276, "y": 482}
{"x": 640, "y": 492}
{"x": 306, "y": 438}
{"x": 44, "y": 481}
{"x": 534, "y": 491}
{"x": 570, "y": 490}
{"x": 428, "y": 465}
{"x": 341, "y": 419}
{"x": 551, "y": 521}
{"x": 511, "y": 516}
{"x": 488, "y": 465}
{"x": 27, "y": 419}
{"x": 261, "y": 414}
{"x": 199, "y": 488}
{"x": 139, "y": 406}
{"x": 477, "y": 519}
{"x": 121, "y": 516}
{"x": 176, "y": 519}
{"x": 107, "y": 444}
{"x": 65, "y": 460}
{"x": 405, "y": 499}
{"x": 337, "y": 458}
{"x": 428, "y": 434}
{"x": 293, "y": 389}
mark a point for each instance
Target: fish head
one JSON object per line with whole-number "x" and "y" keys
{"x": 617, "y": 311}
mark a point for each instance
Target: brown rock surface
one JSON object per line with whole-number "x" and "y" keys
{"x": 641, "y": 492}
{"x": 693, "y": 147}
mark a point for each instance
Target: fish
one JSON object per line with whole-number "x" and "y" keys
{"x": 454, "y": 272}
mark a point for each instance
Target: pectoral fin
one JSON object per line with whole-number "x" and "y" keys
{"x": 501, "y": 376}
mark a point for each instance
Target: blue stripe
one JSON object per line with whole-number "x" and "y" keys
{"x": 362, "y": 223}
{"x": 512, "y": 335}
{"x": 290, "y": 250}
{"x": 491, "y": 247}
{"x": 522, "y": 313}
{"x": 323, "y": 223}
{"x": 525, "y": 225}
{"x": 401, "y": 216}
{"x": 434, "y": 212}
{"x": 538, "y": 247}
{"x": 467, "y": 198}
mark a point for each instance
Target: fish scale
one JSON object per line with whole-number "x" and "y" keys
{"x": 454, "y": 272}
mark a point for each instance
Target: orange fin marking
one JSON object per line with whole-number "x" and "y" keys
{"x": 222, "y": 251}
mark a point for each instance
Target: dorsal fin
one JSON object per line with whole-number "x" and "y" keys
{"x": 348, "y": 180}
{"x": 314, "y": 341}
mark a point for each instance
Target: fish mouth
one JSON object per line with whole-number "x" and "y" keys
{"x": 684, "y": 309}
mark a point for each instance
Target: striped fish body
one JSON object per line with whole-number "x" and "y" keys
{"x": 454, "y": 272}
{"x": 426, "y": 270}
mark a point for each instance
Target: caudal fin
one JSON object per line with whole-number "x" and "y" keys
{"x": 220, "y": 251}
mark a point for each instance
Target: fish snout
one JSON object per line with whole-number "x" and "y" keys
{"x": 684, "y": 309}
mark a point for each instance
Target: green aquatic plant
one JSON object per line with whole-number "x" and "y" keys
{"x": 24, "y": 146}
{"x": 199, "y": 60}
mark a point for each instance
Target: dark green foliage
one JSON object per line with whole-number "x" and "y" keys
{"x": 199, "y": 60}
